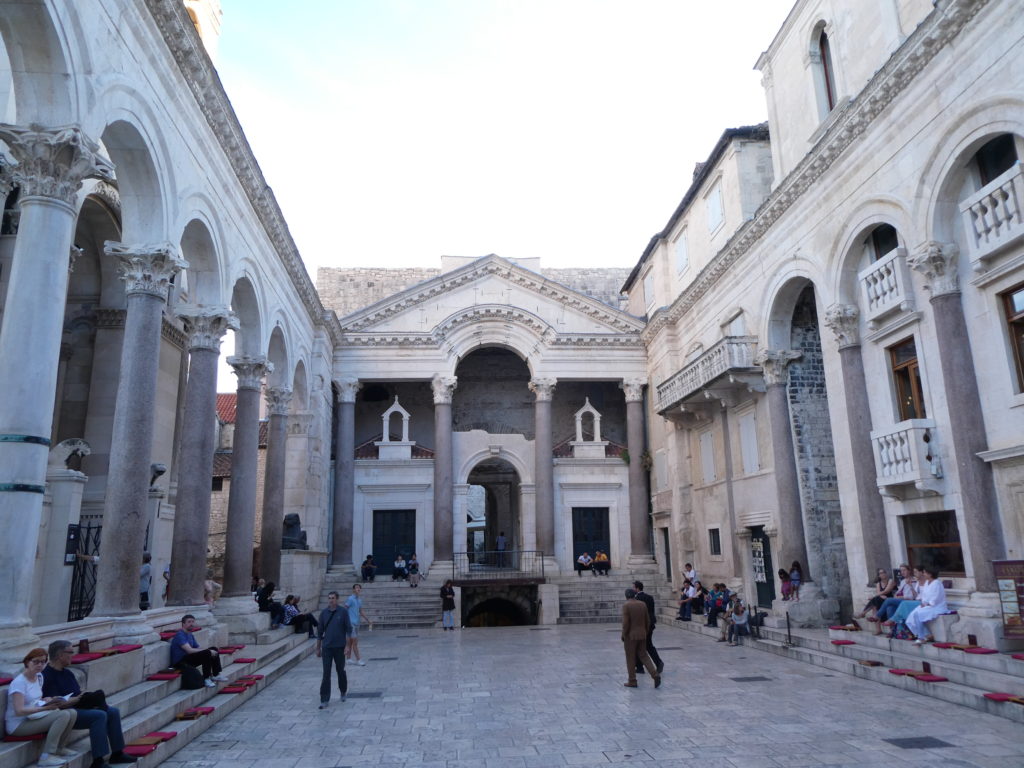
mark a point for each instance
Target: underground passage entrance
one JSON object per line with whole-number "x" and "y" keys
{"x": 499, "y": 606}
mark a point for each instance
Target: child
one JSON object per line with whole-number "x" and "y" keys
{"x": 796, "y": 574}
{"x": 787, "y": 585}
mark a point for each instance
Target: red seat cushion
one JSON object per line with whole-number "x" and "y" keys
{"x": 139, "y": 750}
{"x": 981, "y": 651}
{"x": 33, "y": 737}
{"x": 6, "y": 680}
{"x": 233, "y": 689}
{"x": 164, "y": 735}
{"x": 901, "y": 671}
{"x": 998, "y": 696}
{"x": 167, "y": 634}
{"x": 930, "y": 678}
{"x": 838, "y": 627}
{"x": 944, "y": 645}
{"x": 244, "y": 661}
{"x": 251, "y": 677}
{"x": 82, "y": 658}
{"x": 165, "y": 676}
{"x": 125, "y": 648}
{"x": 1018, "y": 656}
{"x": 843, "y": 642}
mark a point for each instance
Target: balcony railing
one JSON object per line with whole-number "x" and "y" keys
{"x": 733, "y": 353}
{"x": 503, "y": 566}
{"x": 885, "y": 285}
{"x": 907, "y": 454}
{"x": 994, "y": 215}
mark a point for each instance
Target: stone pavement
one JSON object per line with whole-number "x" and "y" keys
{"x": 526, "y": 696}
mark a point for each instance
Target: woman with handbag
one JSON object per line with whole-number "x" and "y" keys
{"x": 29, "y": 713}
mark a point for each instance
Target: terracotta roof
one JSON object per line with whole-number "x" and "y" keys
{"x": 226, "y": 404}
{"x": 369, "y": 451}
{"x": 222, "y": 464}
{"x": 564, "y": 450}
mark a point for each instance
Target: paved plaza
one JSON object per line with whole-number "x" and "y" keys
{"x": 530, "y": 696}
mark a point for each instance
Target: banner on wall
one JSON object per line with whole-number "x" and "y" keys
{"x": 1010, "y": 582}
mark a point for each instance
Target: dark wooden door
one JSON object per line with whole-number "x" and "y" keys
{"x": 590, "y": 531}
{"x": 764, "y": 573}
{"x": 394, "y": 531}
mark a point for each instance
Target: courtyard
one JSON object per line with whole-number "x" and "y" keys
{"x": 516, "y": 697}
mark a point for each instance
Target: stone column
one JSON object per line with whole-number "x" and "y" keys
{"x": 984, "y": 540}
{"x": 51, "y": 165}
{"x": 147, "y": 271}
{"x": 241, "y": 528}
{"x": 844, "y": 322}
{"x": 544, "y": 472}
{"x": 444, "y": 534}
{"x": 792, "y": 544}
{"x": 639, "y": 498}
{"x": 271, "y": 531}
{"x": 205, "y": 326}
{"x": 344, "y": 472}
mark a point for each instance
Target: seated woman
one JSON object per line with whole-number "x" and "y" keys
{"x": 584, "y": 563}
{"x": 293, "y": 618}
{"x": 700, "y": 598}
{"x": 907, "y": 590}
{"x": 884, "y": 588}
{"x": 265, "y": 600}
{"x": 368, "y": 568}
{"x": 28, "y": 713}
{"x": 601, "y": 563}
{"x": 739, "y": 623}
{"x": 686, "y": 598}
{"x": 933, "y": 603}
{"x": 399, "y": 571}
{"x": 413, "y": 569}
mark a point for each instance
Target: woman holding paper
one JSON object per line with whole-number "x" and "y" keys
{"x": 29, "y": 713}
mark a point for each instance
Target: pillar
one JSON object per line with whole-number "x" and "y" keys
{"x": 147, "y": 271}
{"x": 844, "y": 322}
{"x": 792, "y": 544}
{"x": 544, "y": 471}
{"x": 51, "y": 165}
{"x": 344, "y": 472}
{"x": 967, "y": 439}
{"x": 444, "y": 534}
{"x": 639, "y": 539}
{"x": 278, "y": 400}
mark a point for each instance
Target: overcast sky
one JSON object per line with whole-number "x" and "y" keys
{"x": 395, "y": 131}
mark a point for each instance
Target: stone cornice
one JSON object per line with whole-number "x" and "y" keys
{"x": 945, "y": 21}
{"x": 429, "y": 341}
{"x": 180, "y": 35}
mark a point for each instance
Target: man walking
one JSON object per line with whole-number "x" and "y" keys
{"x": 635, "y": 624}
{"x": 354, "y": 604}
{"x": 648, "y": 600}
{"x": 330, "y": 646}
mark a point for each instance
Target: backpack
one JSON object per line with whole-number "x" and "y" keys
{"x": 191, "y": 677}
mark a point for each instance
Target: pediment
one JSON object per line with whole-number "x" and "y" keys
{"x": 490, "y": 291}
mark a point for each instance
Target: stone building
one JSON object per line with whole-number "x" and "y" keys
{"x": 834, "y": 315}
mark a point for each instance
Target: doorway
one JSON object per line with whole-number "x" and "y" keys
{"x": 764, "y": 572}
{"x": 590, "y": 531}
{"x": 492, "y": 511}
{"x": 394, "y": 531}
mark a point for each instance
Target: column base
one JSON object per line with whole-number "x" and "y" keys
{"x": 439, "y": 571}
{"x": 813, "y": 609}
{"x": 550, "y": 604}
{"x": 982, "y": 617}
{"x": 241, "y": 618}
{"x": 15, "y": 641}
{"x": 551, "y": 566}
{"x": 643, "y": 563}
{"x": 133, "y": 630}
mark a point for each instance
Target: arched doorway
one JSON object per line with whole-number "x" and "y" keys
{"x": 493, "y": 511}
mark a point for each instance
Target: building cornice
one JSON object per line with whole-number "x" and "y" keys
{"x": 944, "y": 23}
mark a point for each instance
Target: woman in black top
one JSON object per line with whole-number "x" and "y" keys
{"x": 447, "y": 606}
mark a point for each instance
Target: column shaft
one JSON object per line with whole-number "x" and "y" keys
{"x": 344, "y": 481}
{"x": 545, "y": 474}
{"x": 241, "y": 527}
{"x": 443, "y": 533}
{"x": 271, "y": 529}
{"x": 639, "y": 540}
{"x": 792, "y": 544}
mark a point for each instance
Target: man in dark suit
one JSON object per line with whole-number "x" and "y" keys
{"x": 651, "y": 650}
{"x": 635, "y": 625}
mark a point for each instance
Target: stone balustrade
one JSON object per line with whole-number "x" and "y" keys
{"x": 993, "y": 216}
{"x": 886, "y": 287}
{"x": 906, "y": 454}
{"x": 731, "y": 353}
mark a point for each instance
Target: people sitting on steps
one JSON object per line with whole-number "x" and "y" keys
{"x": 584, "y": 563}
{"x": 601, "y": 563}
{"x": 400, "y": 572}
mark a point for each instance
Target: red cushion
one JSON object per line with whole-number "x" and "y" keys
{"x": 167, "y": 634}
{"x": 944, "y": 645}
{"x": 839, "y": 627}
{"x": 81, "y": 658}
{"x": 165, "y": 676}
{"x": 33, "y": 737}
{"x": 843, "y": 642}
{"x": 5, "y": 680}
{"x": 981, "y": 651}
{"x": 901, "y": 671}
{"x": 233, "y": 689}
{"x": 165, "y": 735}
{"x": 125, "y": 648}
{"x": 1018, "y": 656}
{"x": 998, "y": 696}
{"x": 244, "y": 661}
{"x": 930, "y": 678}
{"x": 139, "y": 750}
{"x": 251, "y": 677}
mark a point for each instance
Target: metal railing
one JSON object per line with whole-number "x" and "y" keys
{"x": 494, "y": 565}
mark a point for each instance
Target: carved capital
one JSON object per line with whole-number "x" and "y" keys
{"x": 250, "y": 370}
{"x": 278, "y": 400}
{"x": 206, "y": 325}
{"x": 347, "y": 389}
{"x": 444, "y": 387}
{"x": 775, "y": 364}
{"x": 938, "y": 263}
{"x": 146, "y": 269}
{"x": 634, "y": 389}
{"x": 73, "y": 255}
{"x": 53, "y": 162}
{"x": 543, "y": 388}
{"x": 844, "y": 321}
{"x": 6, "y": 182}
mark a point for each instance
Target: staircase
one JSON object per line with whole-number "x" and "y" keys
{"x": 390, "y": 604}
{"x": 589, "y": 599}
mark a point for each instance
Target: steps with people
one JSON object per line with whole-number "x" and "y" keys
{"x": 390, "y": 604}
{"x": 588, "y": 599}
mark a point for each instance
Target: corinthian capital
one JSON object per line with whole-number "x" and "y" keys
{"x": 543, "y": 388}
{"x": 634, "y": 389}
{"x": 347, "y": 389}
{"x": 206, "y": 325}
{"x": 775, "y": 364}
{"x": 938, "y": 263}
{"x": 444, "y": 387}
{"x": 278, "y": 400}
{"x": 147, "y": 269}
{"x": 53, "y": 162}
{"x": 250, "y": 370}
{"x": 844, "y": 322}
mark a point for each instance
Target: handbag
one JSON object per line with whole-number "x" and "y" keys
{"x": 92, "y": 700}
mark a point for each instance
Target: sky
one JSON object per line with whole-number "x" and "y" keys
{"x": 395, "y": 131}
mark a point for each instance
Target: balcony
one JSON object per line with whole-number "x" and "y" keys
{"x": 731, "y": 359}
{"x": 993, "y": 216}
{"x": 906, "y": 454}
{"x": 885, "y": 286}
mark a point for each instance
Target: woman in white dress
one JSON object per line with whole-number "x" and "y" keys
{"x": 933, "y": 603}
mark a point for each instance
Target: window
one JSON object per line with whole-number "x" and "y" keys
{"x": 882, "y": 241}
{"x": 707, "y": 456}
{"x": 649, "y": 289}
{"x": 218, "y": 484}
{"x": 748, "y": 442}
{"x": 827, "y": 72}
{"x": 713, "y": 203}
{"x": 682, "y": 253}
{"x": 907, "y": 377}
{"x": 1013, "y": 300}
{"x": 996, "y": 157}
{"x": 714, "y": 541}
{"x": 933, "y": 539}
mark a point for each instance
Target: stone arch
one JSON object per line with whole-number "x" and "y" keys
{"x": 494, "y": 325}
{"x": 782, "y": 296}
{"x": 277, "y": 354}
{"x": 36, "y": 53}
{"x": 300, "y": 388}
{"x": 246, "y": 306}
{"x": 203, "y": 276}
{"x": 139, "y": 182}
{"x": 510, "y": 601}
{"x": 522, "y": 468}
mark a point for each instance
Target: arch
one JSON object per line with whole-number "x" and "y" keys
{"x": 465, "y": 469}
{"x": 494, "y": 325}
{"x": 204, "y": 276}
{"x": 277, "y": 354}
{"x": 246, "y": 306}
{"x": 143, "y": 216}
{"x": 36, "y": 52}
{"x": 820, "y": 53}
{"x": 300, "y": 388}
{"x": 503, "y": 610}
{"x": 781, "y": 297}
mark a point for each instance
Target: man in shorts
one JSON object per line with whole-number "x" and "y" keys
{"x": 354, "y": 604}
